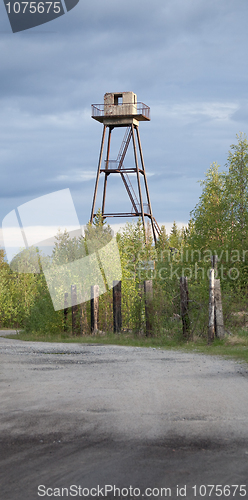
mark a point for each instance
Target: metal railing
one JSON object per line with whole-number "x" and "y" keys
{"x": 126, "y": 109}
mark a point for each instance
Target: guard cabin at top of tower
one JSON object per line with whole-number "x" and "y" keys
{"x": 120, "y": 109}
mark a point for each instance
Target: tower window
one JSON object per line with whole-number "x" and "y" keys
{"x": 118, "y": 99}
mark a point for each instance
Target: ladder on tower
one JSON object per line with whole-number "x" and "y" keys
{"x": 126, "y": 180}
{"x": 120, "y": 159}
{"x": 124, "y": 147}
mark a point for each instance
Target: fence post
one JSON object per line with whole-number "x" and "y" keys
{"x": 65, "y": 311}
{"x": 117, "y": 318}
{"x": 211, "y": 307}
{"x": 184, "y": 299}
{"x": 219, "y": 322}
{"x": 83, "y": 319}
{"x": 148, "y": 292}
{"x": 74, "y": 308}
{"x": 94, "y": 308}
{"x": 214, "y": 260}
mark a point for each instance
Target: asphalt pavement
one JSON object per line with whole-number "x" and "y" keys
{"x": 98, "y": 421}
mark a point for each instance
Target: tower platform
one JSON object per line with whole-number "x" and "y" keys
{"x": 120, "y": 109}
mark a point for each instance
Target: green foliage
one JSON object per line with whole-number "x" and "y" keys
{"x": 42, "y": 317}
{"x": 176, "y": 237}
{"x": 218, "y": 225}
{"x": 27, "y": 261}
{"x": 18, "y": 292}
{"x": 237, "y": 189}
{"x": 219, "y": 221}
{"x": 137, "y": 258}
{"x": 67, "y": 249}
{"x": 209, "y": 217}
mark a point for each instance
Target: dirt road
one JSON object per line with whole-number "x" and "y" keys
{"x": 78, "y": 418}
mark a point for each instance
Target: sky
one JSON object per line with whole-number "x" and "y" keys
{"x": 186, "y": 59}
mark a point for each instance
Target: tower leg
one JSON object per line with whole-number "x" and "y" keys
{"x": 138, "y": 180}
{"x": 146, "y": 184}
{"x": 98, "y": 174}
{"x": 106, "y": 174}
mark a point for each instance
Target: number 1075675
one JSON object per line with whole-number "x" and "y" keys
{"x": 220, "y": 490}
{"x": 33, "y": 7}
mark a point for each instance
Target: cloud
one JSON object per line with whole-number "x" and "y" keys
{"x": 184, "y": 58}
{"x": 76, "y": 176}
{"x": 241, "y": 113}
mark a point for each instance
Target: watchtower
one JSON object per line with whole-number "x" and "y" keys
{"x": 121, "y": 109}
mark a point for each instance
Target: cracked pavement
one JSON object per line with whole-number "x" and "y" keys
{"x": 102, "y": 414}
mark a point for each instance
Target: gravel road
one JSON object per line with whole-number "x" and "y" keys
{"x": 96, "y": 415}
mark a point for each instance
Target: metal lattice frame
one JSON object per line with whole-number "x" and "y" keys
{"x": 136, "y": 201}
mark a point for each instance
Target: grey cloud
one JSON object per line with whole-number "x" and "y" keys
{"x": 241, "y": 115}
{"x": 177, "y": 55}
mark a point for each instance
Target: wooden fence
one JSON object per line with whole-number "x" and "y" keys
{"x": 79, "y": 313}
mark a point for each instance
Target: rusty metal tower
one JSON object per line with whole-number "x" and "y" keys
{"x": 123, "y": 110}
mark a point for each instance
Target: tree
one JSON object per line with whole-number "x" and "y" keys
{"x": 210, "y": 216}
{"x": 237, "y": 189}
{"x": 2, "y": 256}
{"x": 176, "y": 237}
{"x": 18, "y": 292}
{"x": 66, "y": 249}
{"x": 162, "y": 242}
{"x": 98, "y": 234}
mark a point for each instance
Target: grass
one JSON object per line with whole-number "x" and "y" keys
{"x": 234, "y": 346}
